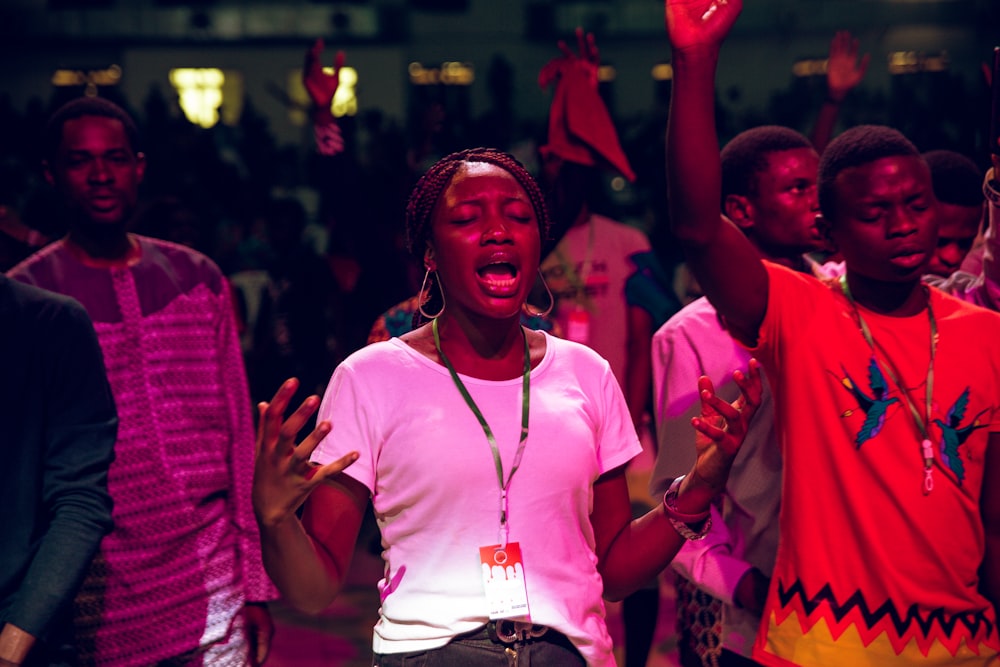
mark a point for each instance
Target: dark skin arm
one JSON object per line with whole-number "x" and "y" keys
{"x": 307, "y": 560}
{"x": 631, "y": 552}
{"x": 15, "y": 644}
{"x": 727, "y": 267}
{"x": 844, "y": 71}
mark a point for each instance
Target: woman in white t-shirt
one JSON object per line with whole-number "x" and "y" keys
{"x": 493, "y": 455}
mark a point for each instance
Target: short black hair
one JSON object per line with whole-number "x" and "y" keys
{"x": 746, "y": 155}
{"x": 957, "y": 179}
{"x": 428, "y": 190}
{"x": 86, "y": 106}
{"x": 857, "y": 146}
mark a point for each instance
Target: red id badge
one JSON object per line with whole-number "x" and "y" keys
{"x": 578, "y": 325}
{"x": 503, "y": 579}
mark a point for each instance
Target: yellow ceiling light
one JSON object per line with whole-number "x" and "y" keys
{"x": 199, "y": 92}
{"x": 345, "y": 100}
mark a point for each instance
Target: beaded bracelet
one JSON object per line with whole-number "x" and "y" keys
{"x": 685, "y": 524}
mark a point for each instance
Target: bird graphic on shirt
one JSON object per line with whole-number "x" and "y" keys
{"x": 953, "y": 435}
{"x": 874, "y": 405}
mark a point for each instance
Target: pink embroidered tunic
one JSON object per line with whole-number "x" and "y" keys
{"x": 184, "y": 555}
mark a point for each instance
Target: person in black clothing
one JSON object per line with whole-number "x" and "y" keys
{"x": 60, "y": 423}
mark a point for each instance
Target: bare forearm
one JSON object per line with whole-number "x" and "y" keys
{"x": 307, "y": 577}
{"x": 647, "y": 544}
{"x": 641, "y": 551}
{"x": 15, "y": 644}
{"x": 693, "y": 176}
{"x": 826, "y": 120}
{"x": 727, "y": 266}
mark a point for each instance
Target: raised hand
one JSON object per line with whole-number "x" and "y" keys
{"x": 723, "y": 426}
{"x": 587, "y": 61}
{"x": 700, "y": 23}
{"x": 843, "y": 70}
{"x": 320, "y": 85}
{"x": 283, "y": 475}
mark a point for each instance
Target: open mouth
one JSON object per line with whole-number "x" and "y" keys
{"x": 498, "y": 276}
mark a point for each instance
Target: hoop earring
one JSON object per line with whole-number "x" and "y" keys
{"x": 424, "y": 290}
{"x": 552, "y": 301}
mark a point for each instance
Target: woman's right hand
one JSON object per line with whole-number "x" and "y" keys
{"x": 283, "y": 474}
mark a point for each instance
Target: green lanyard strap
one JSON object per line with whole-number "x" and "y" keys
{"x": 525, "y": 408}
{"x": 889, "y": 369}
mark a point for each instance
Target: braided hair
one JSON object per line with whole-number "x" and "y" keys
{"x": 428, "y": 190}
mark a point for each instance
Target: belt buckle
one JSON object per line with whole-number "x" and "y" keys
{"x": 512, "y": 632}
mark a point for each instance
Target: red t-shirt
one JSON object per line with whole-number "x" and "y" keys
{"x": 870, "y": 569}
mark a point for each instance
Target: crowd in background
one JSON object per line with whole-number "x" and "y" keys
{"x": 315, "y": 244}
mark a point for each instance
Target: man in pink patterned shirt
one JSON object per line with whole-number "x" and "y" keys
{"x": 179, "y": 580}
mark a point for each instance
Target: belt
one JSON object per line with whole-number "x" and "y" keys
{"x": 507, "y": 631}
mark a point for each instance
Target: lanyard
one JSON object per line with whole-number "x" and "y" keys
{"x": 922, "y": 424}
{"x": 525, "y": 400}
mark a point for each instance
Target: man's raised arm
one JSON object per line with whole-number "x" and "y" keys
{"x": 726, "y": 265}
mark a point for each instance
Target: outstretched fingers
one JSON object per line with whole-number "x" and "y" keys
{"x": 726, "y": 423}
{"x": 271, "y": 415}
{"x": 291, "y": 426}
{"x": 276, "y": 434}
{"x": 587, "y": 44}
{"x": 321, "y": 473}
{"x": 717, "y": 416}
{"x": 751, "y": 388}
{"x": 845, "y": 69}
{"x": 304, "y": 449}
{"x": 284, "y": 475}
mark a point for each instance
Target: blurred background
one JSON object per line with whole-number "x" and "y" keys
{"x": 474, "y": 56}
{"x": 216, "y": 88}
{"x": 314, "y": 245}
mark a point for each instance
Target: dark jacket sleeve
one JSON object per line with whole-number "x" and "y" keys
{"x": 66, "y": 439}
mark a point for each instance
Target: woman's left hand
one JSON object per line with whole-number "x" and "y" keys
{"x": 722, "y": 426}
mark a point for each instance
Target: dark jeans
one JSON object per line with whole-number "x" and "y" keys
{"x": 476, "y": 649}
